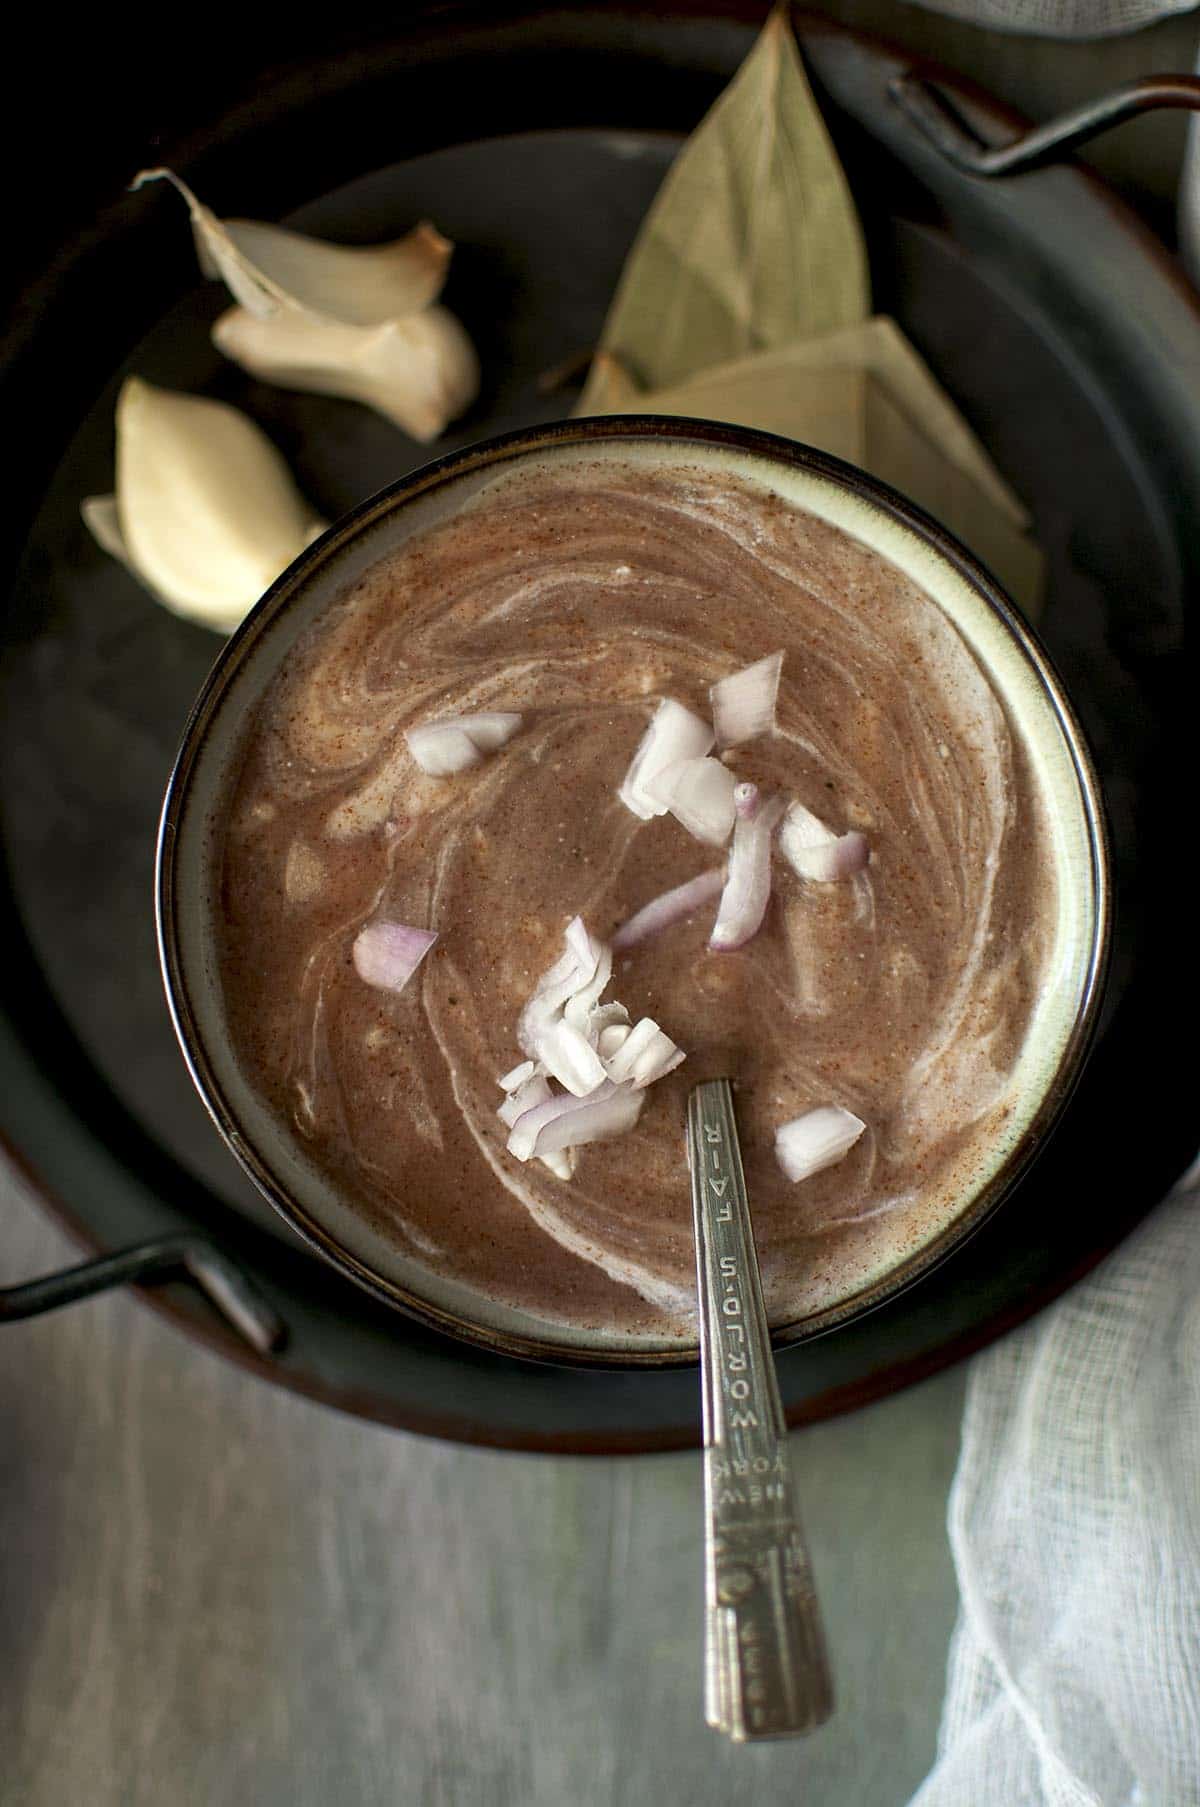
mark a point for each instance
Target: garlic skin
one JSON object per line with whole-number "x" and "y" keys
{"x": 360, "y": 285}
{"x": 206, "y": 514}
{"x": 357, "y": 322}
{"x": 266, "y": 267}
{"x": 420, "y": 372}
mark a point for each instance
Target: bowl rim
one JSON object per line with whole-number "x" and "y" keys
{"x": 495, "y": 452}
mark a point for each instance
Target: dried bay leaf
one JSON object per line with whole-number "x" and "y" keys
{"x": 752, "y": 241}
{"x": 850, "y": 410}
{"x": 829, "y": 405}
{"x": 746, "y": 299}
{"x": 900, "y": 454}
{"x": 879, "y": 347}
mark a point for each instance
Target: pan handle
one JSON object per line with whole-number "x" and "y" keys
{"x": 934, "y": 117}
{"x": 225, "y": 1286}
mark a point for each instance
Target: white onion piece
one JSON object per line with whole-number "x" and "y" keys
{"x": 527, "y": 1096}
{"x": 746, "y": 800}
{"x": 442, "y": 748}
{"x": 387, "y": 954}
{"x": 562, "y": 1047}
{"x": 815, "y": 852}
{"x": 571, "y": 1122}
{"x": 674, "y": 734}
{"x": 571, "y": 1037}
{"x": 606, "y": 1019}
{"x": 671, "y": 907}
{"x": 584, "y": 1003}
{"x": 566, "y": 1052}
{"x": 843, "y": 858}
{"x": 572, "y": 969}
{"x": 747, "y": 889}
{"x": 743, "y": 705}
{"x": 587, "y": 948}
{"x": 508, "y": 1082}
{"x": 491, "y": 729}
{"x": 561, "y": 1163}
{"x": 699, "y": 794}
{"x": 646, "y": 1054}
{"x": 802, "y": 830}
{"x": 816, "y": 1140}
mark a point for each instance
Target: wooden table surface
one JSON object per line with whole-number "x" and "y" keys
{"x": 214, "y": 1592}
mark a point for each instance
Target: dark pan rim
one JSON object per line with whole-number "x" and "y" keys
{"x": 878, "y": 1382}
{"x": 495, "y": 453}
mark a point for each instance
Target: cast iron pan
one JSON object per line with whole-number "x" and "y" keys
{"x": 1058, "y": 324}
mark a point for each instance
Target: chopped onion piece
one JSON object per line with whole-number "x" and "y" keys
{"x": 510, "y": 1081}
{"x": 387, "y": 954}
{"x": 802, "y": 830}
{"x": 441, "y": 748}
{"x": 743, "y": 705}
{"x": 746, "y": 801}
{"x": 570, "y": 1122}
{"x": 604, "y": 1020}
{"x": 849, "y": 854}
{"x": 674, "y": 734}
{"x": 527, "y": 1097}
{"x": 816, "y": 1140}
{"x": 645, "y": 1055}
{"x": 612, "y": 1038}
{"x": 561, "y": 1163}
{"x": 747, "y": 889}
{"x": 699, "y": 794}
{"x": 491, "y": 730}
{"x": 589, "y": 1048}
{"x": 587, "y": 948}
{"x": 567, "y": 1053}
{"x": 545, "y": 1034}
{"x": 584, "y": 1004}
{"x": 670, "y": 907}
{"x": 816, "y": 852}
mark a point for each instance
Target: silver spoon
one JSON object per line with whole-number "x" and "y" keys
{"x": 766, "y": 1673}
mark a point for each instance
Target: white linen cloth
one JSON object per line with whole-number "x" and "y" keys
{"x": 1061, "y": 18}
{"x": 1074, "y": 1517}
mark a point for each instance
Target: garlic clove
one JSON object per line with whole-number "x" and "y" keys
{"x": 103, "y": 522}
{"x": 420, "y": 372}
{"x": 206, "y": 514}
{"x": 102, "y": 519}
{"x": 267, "y": 268}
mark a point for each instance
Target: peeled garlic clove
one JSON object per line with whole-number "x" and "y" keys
{"x": 206, "y": 514}
{"x": 267, "y": 268}
{"x": 420, "y": 372}
{"x": 102, "y": 519}
{"x": 103, "y": 522}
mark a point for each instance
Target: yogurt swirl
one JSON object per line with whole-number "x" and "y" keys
{"x": 580, "y": 593}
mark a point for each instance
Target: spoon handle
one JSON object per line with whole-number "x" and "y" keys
{"x": 766, "y": 1671}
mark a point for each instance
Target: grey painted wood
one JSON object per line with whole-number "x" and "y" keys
{"x": 212, "y": 1591}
